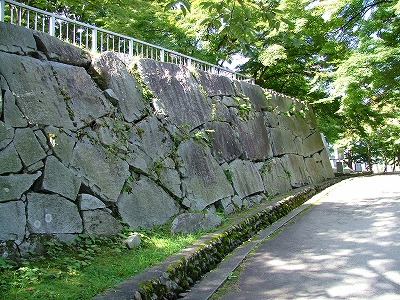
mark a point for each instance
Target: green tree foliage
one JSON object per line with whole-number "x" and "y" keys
{"x": 342, "y": 56}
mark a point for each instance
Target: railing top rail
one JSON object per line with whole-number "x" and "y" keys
{"x": 111, "y": 33}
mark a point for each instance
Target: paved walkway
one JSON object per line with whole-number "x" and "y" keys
{"x": 346, "y": 246}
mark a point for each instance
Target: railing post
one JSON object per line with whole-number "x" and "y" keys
{"x": 131, "y": 48}
{"x": 94, "y": 40}
{"x": 2, "y": 10}
{"x": 162, "y": 53}
{"x": 52, "y": 25}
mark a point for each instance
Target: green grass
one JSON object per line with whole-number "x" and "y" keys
{"x": 84, "y": 269}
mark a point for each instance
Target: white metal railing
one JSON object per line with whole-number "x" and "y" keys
{"x": 98, "y": 40}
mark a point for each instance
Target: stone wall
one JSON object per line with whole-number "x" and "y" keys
{"x": 90, "y": 142}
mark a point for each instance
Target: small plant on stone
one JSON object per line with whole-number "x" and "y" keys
{"x": 203, "y": 136}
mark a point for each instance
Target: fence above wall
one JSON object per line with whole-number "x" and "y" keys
{"x": 99, "y": 40}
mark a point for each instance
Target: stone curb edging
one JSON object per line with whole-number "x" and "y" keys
{"x": 174, "y": 277}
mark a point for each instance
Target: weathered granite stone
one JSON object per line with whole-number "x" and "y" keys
{"x": 178, "y": 91}
{"x": 224, "y": 144}
{"x": 255, "y": 139}
{"x": 139, "y": 160}
{"x": 60, "y": 51}
{"x": 237, "y": 201}
{"x": 228, "y": 101}
{"x": 133, "y": 241}
{"x": 271, "y": 119}
{"x": 246, "y": 178}
{"x": 35, "y": 167}
{"x": 16, "y": 39}
{"x": 220, "y": 112}
{"x": 42, "y": 140}
{"x": 256, "y": 95}
{"x": 286, "y": 122}
{"x": 111, "y": 96}
{"x": 101, "y": 169}
{"x": 12, "y": 221}
{"x": 279, "y": 102}
{"x": 314, "y": 170}
{"x": 13, "y": 186}
{"x": 225, "y": 202}
{"x": 115, "y": 76}
{"x": 99, "y": 222}
{"x": 146, "y": 205}
{"x": 6, "y": 135}
{"x": 194, "y": 222}
{"x": 10, "y": 161}
{"x": 326, "y": 164}
{"x": 204, "y": 180}
{"x": 295, "y": 167}
{"x": 215, "y": 85}
{"x": 52, "y": 214}
{"x": 62, "y": 143}
{"x": 28, "y": 147}
{"x": 85, "y": 101}
{"x": 275, "y": 177}
{"x": 149, "y": 136}
{"x": 57, "y": 178}
{"x": 89, "y": 202}
{"x": 313, "y": 144}
{"x": 105, "y": 130}
{"x": 298, "y": 142}
{"x": 282, "y": 142}
{"x": 170, "y": 179}
{"x": 12, "y": 115}
{"x": 301, "y": 126}
{"x": 39, "y": 105}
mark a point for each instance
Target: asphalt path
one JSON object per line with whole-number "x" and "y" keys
{"x": 345, "y": 246}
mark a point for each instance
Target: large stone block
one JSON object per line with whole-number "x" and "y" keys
{"x": 101, "y": 223}
{"x": 255, "y": 139}
{"x": 26, "y": 78}
{"x": 246, "y": 178}
{"x": 279, "y": 102}
{"x": 177, "y": 91}
{"x": 12, "y": 221}
{"x": 326, "y": 164}
{"x": 60, "y": 51}
{"x": 314, "y": 169}
{"x": 275, "y": 177}
{"x": 6, "y": 135}
{"x": 215, "y": 85}
{"x": 150, "y": 137}
{"x": 12, "y": 115}
{"x": 57, "y": 178}
{"x": 13, "y": 186}
{"x": 296, "y": 169}
{"x": 146, "y": 204}
{"x": 103, "y": 172}
{"x": 127, "y": 90}
{"x": 204, "y": 180}
{"x": 52, "y": 214}
{"x": 28, "y": 147}
{"x": 10, "y": 161}
{"x": 282, "y": 142}
{"x": 16, "y": 39}
{"x": 89, "y": 202}
{"x": 225, "y": 145}
{"x": 169, "y": 177}
{"x": 271, "y": 119}
{"x": 256, "y": 95}
{"x": 85, "y": 101}
{"x": 313, "y": 144}
{"x": 62, "y": 143}
{"x": 194, "y": 222}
